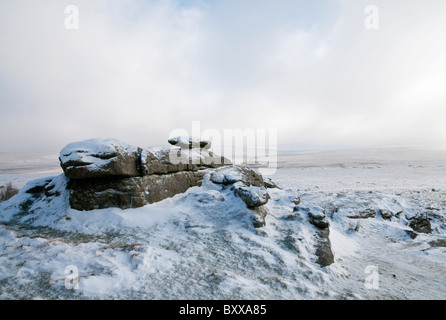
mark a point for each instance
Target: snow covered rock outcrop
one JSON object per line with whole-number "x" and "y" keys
{"x": 241, "y": 174}
{"x": 253, "y": 196}
{"x": 162, "y": 161}
{"x": 108, "y": 173}
{"x": 248, "y": 186}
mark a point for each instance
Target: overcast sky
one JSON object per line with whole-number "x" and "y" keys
{"x": 136, "y": 70}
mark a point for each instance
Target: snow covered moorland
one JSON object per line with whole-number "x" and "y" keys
{"x": 336, "y": 226}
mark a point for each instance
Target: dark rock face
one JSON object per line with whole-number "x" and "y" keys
{"x": 162, "y": 161}
{"x": 324, "y": 253}
{"x": 317, "y": 218}
{"x": 315, "y": 214}
{"x": 130, "y": 192}
{"x": 258, "y": 219}
{"x": 157, "y": 162}
{"x": 421, "y": 224}
{"x": 438, "y": 243}
{"x": 320, "y": 223}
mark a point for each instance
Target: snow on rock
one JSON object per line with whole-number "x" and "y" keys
{"x": 108, "y": 173}
{"x": 204, "y": 157}
{"x": 269, "y": 183}
{"x": 95, "y": 158}
{"x": 248, "y": 185}
{"x": 253, "y": 196}
{"x": 189, "y": 142}
{"x": 162, "y": 161}
{"x": 156, "y": 161}
{"x": 232, "y": 174}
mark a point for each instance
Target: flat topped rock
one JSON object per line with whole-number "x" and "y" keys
{"x": 96, "y": 158}
{"x": 108, "y": 158}
{"x": 187, "y": 142}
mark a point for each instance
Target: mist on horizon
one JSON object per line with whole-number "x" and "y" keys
{"x": 324, "y": 74}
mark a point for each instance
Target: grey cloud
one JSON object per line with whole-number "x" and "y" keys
{"x": 138, "y": 70}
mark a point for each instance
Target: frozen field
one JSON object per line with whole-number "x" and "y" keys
{"x": 383, "y": 169}
{"x": 182, "y": 248}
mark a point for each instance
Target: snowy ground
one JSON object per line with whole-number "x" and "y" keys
{"x": 201, "y": 244}
{"x": 384, "y": 169}
{"x": 417, "y": 176}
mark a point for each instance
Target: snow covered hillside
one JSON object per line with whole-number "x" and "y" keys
{"x": 384, "y": 243}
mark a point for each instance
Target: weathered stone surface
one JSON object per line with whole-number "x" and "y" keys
{"x": 186, "y": 142}
{"x": 421, "y": 224}
{"x": 320, "y": 223}
{"x": 318, "y": 218}
{"x": 364, "y": 214}
{"x": 162, "y": 161}
{"x": 156, "y": 161}
{"x": 387, "y": 214}
{"x": 438, "y": 243}
{"x": 325, "y": 256}
{"x": 131, "y": 192}
{"x": 109, "y": 173}
{"x": 253, "y": 197}
{"x": 259, "y": 216}
{"x": 98, "y": 158}
{"x": 232, "y": 174}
